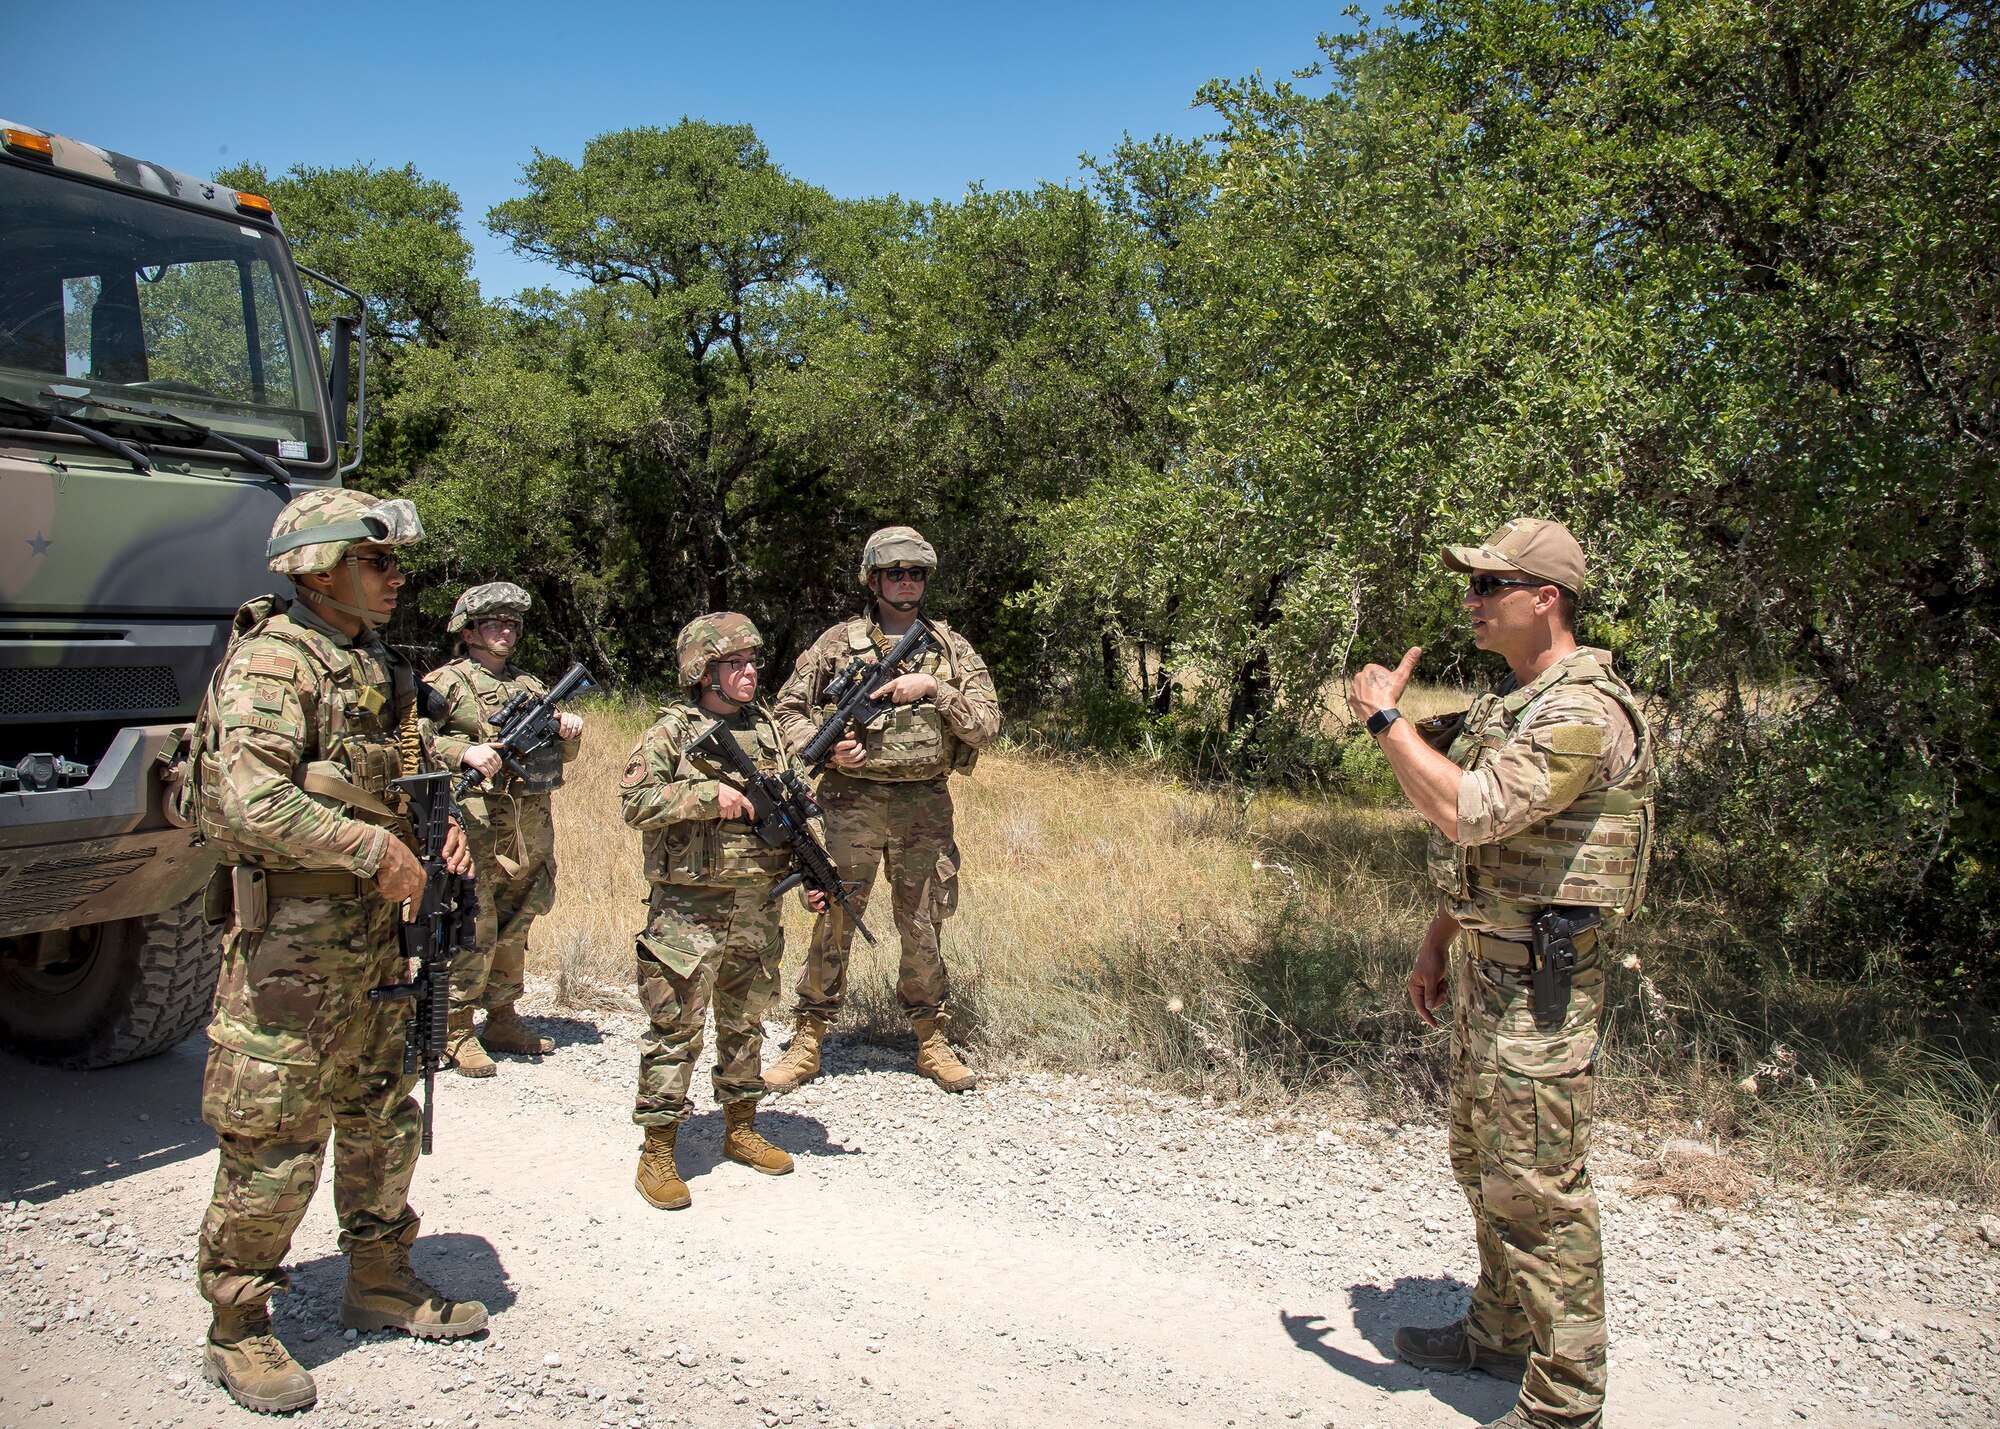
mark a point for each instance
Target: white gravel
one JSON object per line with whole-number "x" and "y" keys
{"x": 1052, "y": 1250}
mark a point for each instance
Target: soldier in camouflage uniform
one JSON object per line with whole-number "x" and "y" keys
{"x": 1544, "y": 800}
{"x": 887, "y": 801}
{"x": 507, "y": 821}
{"x": 307, "y": 722}
{"x": 712, "y": 928}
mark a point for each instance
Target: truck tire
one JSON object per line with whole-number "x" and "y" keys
{"x": 117, "y": 992}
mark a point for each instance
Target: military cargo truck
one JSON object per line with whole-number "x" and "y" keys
{"x": 161, "y": 396}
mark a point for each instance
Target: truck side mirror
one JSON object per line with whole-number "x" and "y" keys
{"x": 336, "y": 379}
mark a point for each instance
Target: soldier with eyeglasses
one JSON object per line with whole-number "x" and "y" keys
{"x": 887, "y": 802}
{"x": 1541, "y": 813}
{"x": 507, "y": 819}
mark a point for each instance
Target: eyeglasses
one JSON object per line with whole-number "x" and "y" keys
{"x": 499, "y": 622}
{"x": 1483, "y": 586}
{"x": 904, "y": 573}
{"x": 740, "y": 662}
{"x": 387, "y": 565}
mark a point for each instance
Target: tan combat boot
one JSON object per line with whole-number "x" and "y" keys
{"x": 506, "y": 1032}
{"x": 936, "y": 1060}
{"x": 383, "y": 1293}
{"x": 464, "y": 1048}
{"x": 800, "y": 1064}
{"x": 247, "y": 1360}
{"x": 740, "y": 1141}
{"x": 659, "y": 1182}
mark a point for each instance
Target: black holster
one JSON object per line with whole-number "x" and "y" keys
{"x": 1553, "y": 957}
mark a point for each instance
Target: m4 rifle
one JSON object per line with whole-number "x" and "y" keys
{"x": 855, "y": 693}
{"x": 525, "y": 724}
{"x": 434, "y": 928}
{"x": 781, "y": 805}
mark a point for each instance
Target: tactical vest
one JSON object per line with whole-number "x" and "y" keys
{"x": 361, "y": 718}
{"x": 1592, "y": 854}
{"x": 717, "y": 852}
{"x": 489, "y": 693}
{"x": 906, "y": 742}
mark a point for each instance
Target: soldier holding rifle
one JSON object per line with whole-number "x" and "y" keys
{"x": 712, "y": 929}
{"x": 305, "y": 728}
{"x": 507, "y": 820}
{"x": 1541, "y": 815}
{"x": 886, "y": 798}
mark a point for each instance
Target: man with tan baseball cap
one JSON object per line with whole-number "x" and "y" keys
{"x": 1541, "y": 815}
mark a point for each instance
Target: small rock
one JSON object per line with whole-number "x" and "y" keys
{"x": 552, "y": 1360}
{"x": 1989, "y": 1230}
{"x": 1872, "y": 1335}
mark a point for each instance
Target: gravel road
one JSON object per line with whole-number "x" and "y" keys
{"x": 1052, "y": 1250}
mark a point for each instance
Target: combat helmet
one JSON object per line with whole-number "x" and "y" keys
{"x": 314, "y": 530}
{"x": 493, "y": 598}
{"x": 707, "y": 638}
{"x": 896, "y": 546}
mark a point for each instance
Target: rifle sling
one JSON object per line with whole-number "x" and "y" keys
{"x": 332, "y": 786}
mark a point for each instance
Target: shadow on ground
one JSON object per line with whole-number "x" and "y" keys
{"x": 563, "y": 1031}
{"x": 698, "y": 1149}
{"x": 1376, "y": 1313}
{"x": 63, "y": 1131}
{"x": 463, "y": 1267}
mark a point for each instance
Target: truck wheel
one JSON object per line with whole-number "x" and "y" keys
{"x": 112, "y": 992}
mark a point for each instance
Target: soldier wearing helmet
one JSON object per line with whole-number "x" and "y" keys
{"x": 507, "y": 820}
{"x": 1541, "y": 816}
{"x": 304, "y": 727}
{"x": 887, "y": 802}
{"x": 711, "y": 925}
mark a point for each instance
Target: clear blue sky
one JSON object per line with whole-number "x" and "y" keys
{"x": 915, "y": 99}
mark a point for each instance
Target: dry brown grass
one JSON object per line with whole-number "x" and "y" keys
{"x": 1256, "y": 946}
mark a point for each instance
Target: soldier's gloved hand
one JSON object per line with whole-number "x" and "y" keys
{"x": 457, "y": 852}
{"x": 848, "y": 754}
{"x": 483, "y": 757}
{"x": 731, "y": 802}
{"x": 908, "y": 689}
{"x": 568, "y": 726}
{"x": 814, "y": 899}
{"x": 399, "y": 878}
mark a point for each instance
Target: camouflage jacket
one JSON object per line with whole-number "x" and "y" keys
{"x": 468, "y": 696}
{"x": 911, "y": 742}
{"x": 1556, "y": 803}
{"x": 672, "y": 799}
{"x": 311, "y": 728}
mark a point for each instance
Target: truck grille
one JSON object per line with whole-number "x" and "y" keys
{"x": 85, "y": 689}
{"x": 40, "y": 890}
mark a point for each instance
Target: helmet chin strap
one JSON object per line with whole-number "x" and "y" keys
{"x": 715, "y": 688}
{"x": 901, "y": 606}
{"x": 370, "y": 619}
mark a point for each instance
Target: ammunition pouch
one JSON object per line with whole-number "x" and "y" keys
{"x": 248, "y": 898}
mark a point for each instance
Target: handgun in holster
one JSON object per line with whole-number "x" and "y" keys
{"x": 1553, "y": 958}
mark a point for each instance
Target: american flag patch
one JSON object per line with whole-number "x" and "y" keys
{"x": 283, "y": 667}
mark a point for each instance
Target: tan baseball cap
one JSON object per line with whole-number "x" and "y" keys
{"x": 1542, "y": 549}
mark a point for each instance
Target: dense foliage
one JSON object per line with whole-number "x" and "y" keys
{"x": 1715, "y": 284}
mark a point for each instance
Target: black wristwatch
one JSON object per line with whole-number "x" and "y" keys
{"x": 1382, "y": 719}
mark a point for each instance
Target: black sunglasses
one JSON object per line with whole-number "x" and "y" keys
{"x": 904, "y": 573}
{"x": 1484, "y": 586}
{"x": 387, "y": 565}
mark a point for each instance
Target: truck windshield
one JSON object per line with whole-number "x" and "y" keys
{"x": 161, "y": 306}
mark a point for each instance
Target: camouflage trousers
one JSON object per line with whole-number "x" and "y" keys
{"x": 1519, "y": 1144}
{"x": 705, "y": 944}
{"x": 297, "y": 1053}
{"x": 513, "y": 843}
{"x": 908, "y": 827}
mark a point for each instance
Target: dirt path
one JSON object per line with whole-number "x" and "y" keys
{"x": 1050, "y": 1251}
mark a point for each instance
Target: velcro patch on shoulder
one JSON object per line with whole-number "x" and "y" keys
{"x": 635, "y": 773}
{"x": 1586, "y": 739}
{"x": 272, "y": 663}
